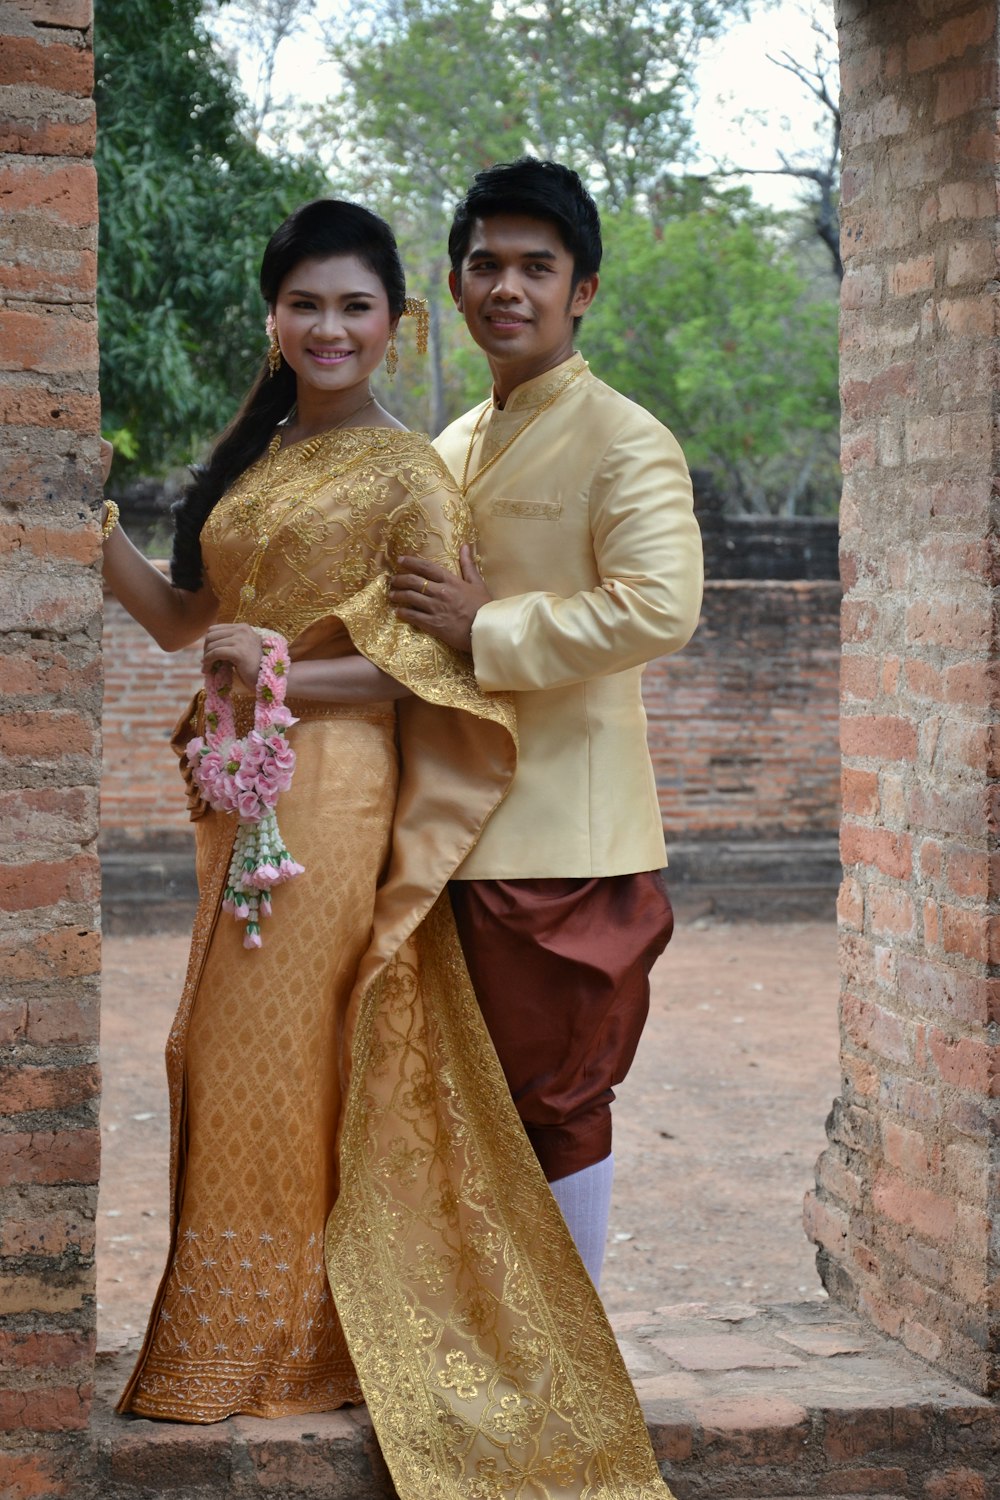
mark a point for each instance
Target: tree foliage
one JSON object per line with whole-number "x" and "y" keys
{"x": 436, "y": 89}
{"x": 702, "y": 315}
{"x": 187, "y": 204}
{"x": 707, "y": 322}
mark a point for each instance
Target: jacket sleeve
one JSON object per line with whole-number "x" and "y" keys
{"x": 647, "y": 549}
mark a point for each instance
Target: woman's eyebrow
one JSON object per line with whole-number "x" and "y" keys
{"x": 303, "y": 292}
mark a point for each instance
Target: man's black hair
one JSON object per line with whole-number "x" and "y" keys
{"x": 541, "y": 190}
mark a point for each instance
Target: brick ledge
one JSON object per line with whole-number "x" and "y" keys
{"x": 743, "y": 1403}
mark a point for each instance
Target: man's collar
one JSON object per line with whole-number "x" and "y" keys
{"x": 533, "y": 392}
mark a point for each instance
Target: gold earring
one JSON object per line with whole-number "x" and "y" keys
{"x": 391, "y": 356}
{"x": 416, "y": 307}
{"x": 274, "y": 354}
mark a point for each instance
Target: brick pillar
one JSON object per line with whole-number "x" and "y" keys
{"x": 906, "y": 1209}
{"x": 50, "y": 686}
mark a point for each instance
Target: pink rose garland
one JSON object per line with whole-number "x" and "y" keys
{"x": 246, "y": 776}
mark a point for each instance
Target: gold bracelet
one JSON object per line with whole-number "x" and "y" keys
{"x": 110, "y": 520}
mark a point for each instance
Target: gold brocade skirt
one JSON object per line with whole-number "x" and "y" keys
{"x": 357, "y": 1211}
{"x": 244, "y": 1320}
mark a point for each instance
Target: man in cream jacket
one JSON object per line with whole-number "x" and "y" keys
{"x": 593, "y": 566}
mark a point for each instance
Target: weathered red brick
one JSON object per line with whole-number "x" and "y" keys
{"x": 971, "y": 316}
{"x": 851, "y": 903}
{"x": 49, "y": 1350}
{"x": 924, "y": 680}
{"x": 968, "y": 1170}
{"x": 21, "y": 1292}
{"x": 927, "y": 438}
{"x": 959, "y": 811}
{"x": 926, "y": 1212}
{"x": 70, "y": 13}
{"x": 878, "y": 737}
{"x": 949, "y": 623}
{"x": 25, "y": 1087}
{"x": 36, "y": 406}
{"x": 46, "y": 736}
{"x": 49, "y": 133}
{"x": 909, "y": 1151}
{"x": 914, "y": 275}
{"x": 971, "y": 261}
{"x": 33, "y": 1476}
{"x": 858, "y": 451}
{"x": 872, "y": 1026}
{"x": 825, "y": 1224}
{"x": 54, "y": 65}
{"x": 52, "y": 342}
{"x": 65, "y": 192}
{"x": 892, "y": 912}
{"x": 47, "y": 1409}
{"x": 930, "y": 47}
{"x": 49, "y": 814}
{"x": 860, "y": 677}
{"x": 24, "y": 1231}
{"x": 963, "y": 1062}
{"x": 973, "y": 875}
{"x": 67, "y": 276}
{"x": 840, "y": 1183}
{"x": 967, "y": 200}
{"x": 956, "y": 1484}
{"x": 47, "y": 882}
{"x": 63, "y": 1020}
{"x": 49, "y": 1156}
{"x": 970, "y": 932}
{"x": 66, "y": 953}
{"x": 973, "y": 683}
{"x": 859, "y": 792}
{"x": 880, "y": 848}
{"x": 962, "y": 90}
{"x": 858, "y": 620}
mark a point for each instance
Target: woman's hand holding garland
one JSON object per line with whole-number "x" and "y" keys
{"x": 246, "y": 776}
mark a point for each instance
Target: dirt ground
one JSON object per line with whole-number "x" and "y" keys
{"x": 717, "y": 1128}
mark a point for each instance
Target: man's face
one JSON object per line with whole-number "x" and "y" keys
{"x": 516, "y": 291}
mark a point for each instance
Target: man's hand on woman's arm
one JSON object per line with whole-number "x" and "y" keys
{"x": 437, "y": 601}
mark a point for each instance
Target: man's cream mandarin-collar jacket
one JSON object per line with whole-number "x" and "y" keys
{"x": 593, "y": 555}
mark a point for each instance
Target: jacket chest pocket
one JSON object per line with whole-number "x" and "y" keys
{"x": 526, "y": 510}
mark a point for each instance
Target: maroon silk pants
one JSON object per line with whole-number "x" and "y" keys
{"x": 561, "y": 972}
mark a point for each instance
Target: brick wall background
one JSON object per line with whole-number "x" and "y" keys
{"x": 145, "y": 692}
{"x": 906, "y": 1214}
{"x": 50, "y": 679}
{"x": 742, "y": 723}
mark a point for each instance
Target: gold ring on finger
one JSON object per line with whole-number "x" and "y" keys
{"x": 423, "y": 586}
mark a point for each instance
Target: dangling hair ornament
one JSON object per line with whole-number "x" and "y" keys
{"x": 273, "y": 348}
{"x": 413, "y": 307}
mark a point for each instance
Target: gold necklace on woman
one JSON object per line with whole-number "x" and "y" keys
{"x": 467, "y": 483}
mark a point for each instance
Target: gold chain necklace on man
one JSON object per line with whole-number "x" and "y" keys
{"x": 307, "y": 447}
{"x": 467, "y": 483}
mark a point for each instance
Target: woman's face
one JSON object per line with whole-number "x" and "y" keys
{"x": 332, "y": 320}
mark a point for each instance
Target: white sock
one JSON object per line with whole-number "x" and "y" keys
{"x": 585, "y": 1200}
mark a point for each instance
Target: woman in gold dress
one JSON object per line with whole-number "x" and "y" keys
{"x": 356, "y": 1211}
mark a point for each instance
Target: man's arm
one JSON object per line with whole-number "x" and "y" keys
{"x": 647, "y": 550}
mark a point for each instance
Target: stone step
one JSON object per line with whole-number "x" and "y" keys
{"x": 794, "y": 1402}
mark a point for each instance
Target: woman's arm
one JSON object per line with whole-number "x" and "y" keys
{"x": 173, "y": 617}
{"x": 339, "y": 679}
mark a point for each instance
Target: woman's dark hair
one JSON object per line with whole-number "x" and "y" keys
{"x": 325, "y": 227}
{"x": 542, "y": 190}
